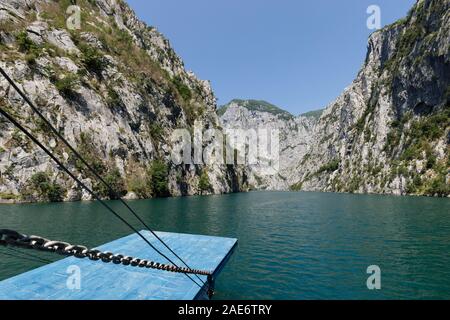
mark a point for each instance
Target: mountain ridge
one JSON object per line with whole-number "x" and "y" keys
{"x": 265, "y": 106}
{"x": 256, "y": 105}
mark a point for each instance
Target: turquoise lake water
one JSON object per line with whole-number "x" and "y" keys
{"x": 291, "y": 245}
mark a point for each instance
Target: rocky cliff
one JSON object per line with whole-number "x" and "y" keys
{"x": 114, "y": 88}
{"x": 388, "y": 132}
{"x": 295, "y": 133}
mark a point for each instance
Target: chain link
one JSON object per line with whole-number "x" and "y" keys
{"x": 15, "y": 239}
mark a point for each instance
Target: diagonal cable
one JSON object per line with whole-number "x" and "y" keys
{"x": 81, "y": 184}
{"x": 30, "y": 255}
{"x": 20, "y": 255}
{"x": 76, "y": 153}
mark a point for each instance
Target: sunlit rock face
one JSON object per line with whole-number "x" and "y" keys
{"x": 115, "y": 89}
{"x": 295, "y": 136}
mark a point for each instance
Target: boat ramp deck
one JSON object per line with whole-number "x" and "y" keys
{"x": 101, "y": 281}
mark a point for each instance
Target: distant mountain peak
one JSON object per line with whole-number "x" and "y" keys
{"x": 316, "y": 114}
{"x": 256, "y": 105}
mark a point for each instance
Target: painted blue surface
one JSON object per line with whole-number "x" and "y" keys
{"x": 100, "y": 281}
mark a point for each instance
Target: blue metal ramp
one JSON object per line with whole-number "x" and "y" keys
{"x": 100, "y": 281}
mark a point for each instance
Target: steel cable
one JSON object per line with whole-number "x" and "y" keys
{"x": 93, "y": 171}
{"x": 84, "y": 186}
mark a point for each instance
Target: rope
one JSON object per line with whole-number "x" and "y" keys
{"x": 22, "y": 257}
{"x": 30, "y": 255}
{"x": 110, "y": 189}
{"x": 27, "y": 256}
{"x": 80, "y": 183}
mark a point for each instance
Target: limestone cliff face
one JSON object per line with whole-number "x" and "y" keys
{"x": 296, "y": 135}
{"x": 115, "y": 89}
{"x": 389, "y": 130}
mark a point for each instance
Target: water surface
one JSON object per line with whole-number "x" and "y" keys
{"x": 291, "y": 245}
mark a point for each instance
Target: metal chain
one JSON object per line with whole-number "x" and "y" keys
{"x": 15, "y": 239}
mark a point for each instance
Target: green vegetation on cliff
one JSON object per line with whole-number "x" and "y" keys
{"x": 158, "y": 177}
{"x": 46, "y": 189}
{"x": 204, "y": 183}
{"x": 257, "y": 105}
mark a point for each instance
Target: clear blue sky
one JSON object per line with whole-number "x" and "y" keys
{"x": 297, "y": 54}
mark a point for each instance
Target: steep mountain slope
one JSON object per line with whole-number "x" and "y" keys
{"x": 115, "y": 89}
{"x": 389, "y": 131}
{"x": 295, "y": 136}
